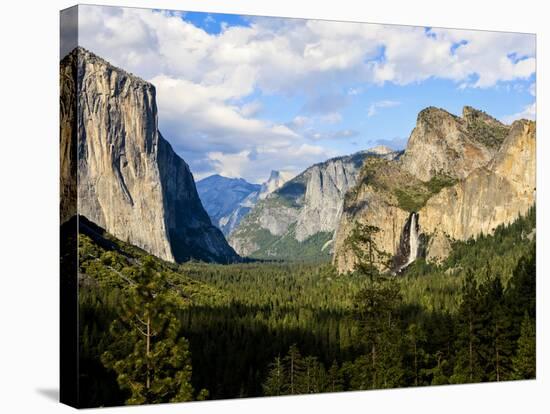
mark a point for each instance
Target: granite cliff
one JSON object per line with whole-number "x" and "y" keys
{"x": 491, "y": 195}
{"x": 303, "y": 214}
{"x": 459, "y": 176}
{"x": 445, "y": 144}
{"x": 130, "y": 181}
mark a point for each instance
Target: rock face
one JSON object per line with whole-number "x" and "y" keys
{"x": 306, "y": 206}
{"x": 491, "y": 195}
{"x": 444, "y": 144}
{"x": 489, "y": 180}
{"x": 130, "y": 181}
{"x": 227, "y": 200}
{"x": 373, "y": 202}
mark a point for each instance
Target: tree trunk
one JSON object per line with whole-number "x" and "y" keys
{"x": 292, "y": 374}
{"x": 373, "y": 365}
{"x": 497, "y": 354}
{"x": 148, "y": 340}
{"x": 415, "y": 366}
{"x": 471, "y": 362}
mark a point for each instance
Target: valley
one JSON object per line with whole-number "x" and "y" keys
{"x": 239, "y": 318}
{"x": 378, "y": 269}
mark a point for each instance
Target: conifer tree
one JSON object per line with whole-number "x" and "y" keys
{"x": 521, "y": 291}
{"x": 496, "y": 346}
{"x": 467, "y": 365}
{"x": 275, "y": 384}
{"x": 416, "y": 336}
{"x": 151, "y": 360}
{"x": 294, "y": 366}
{"x": 376, "y": 307}
{"x": 335, "y": 380}
{"x": 525, "y": 361}
{"x": 369, "y": 258}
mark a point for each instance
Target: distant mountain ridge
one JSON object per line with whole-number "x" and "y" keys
{"x": 130, "y": 181}
{"x": 304, "y": 211}
{"x": 227, "y": 200}
{"x": 459, "y": 177}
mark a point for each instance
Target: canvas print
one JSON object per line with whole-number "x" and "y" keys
{"x": 258, "y": 206}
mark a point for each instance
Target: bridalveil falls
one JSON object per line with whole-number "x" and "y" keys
{"x": 413, "y": 239}
{"x": 409, "y": 244}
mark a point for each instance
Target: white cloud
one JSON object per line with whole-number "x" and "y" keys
{"x": 331, "y": 118}
{"x": 316, "y": 135}
{"x": 299, "y": 122}
{"x": 256, "y": 165}
{"x": 286, "y": 54}
{"x": 528, "y": 112}
{"x": 373, "y": 107}
{"x": 197, "y": 118}
{"x": 203, "y": 80}
{"x": 251, "y": 109}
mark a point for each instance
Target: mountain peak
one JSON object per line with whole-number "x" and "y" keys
{"x": 470, "y": 115}
{"x": 275, "y": 181}
{"x": 274, "y": 175}
{"x": 446, "y": 144}
{"x": 433, "y": 114}
{"x": 158, "y": 209}
{"x": 84, "y": 56}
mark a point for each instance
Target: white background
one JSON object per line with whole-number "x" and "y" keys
{"x": 29, "y": 206}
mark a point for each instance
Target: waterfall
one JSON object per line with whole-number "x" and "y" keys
{"x": 413, "y": 240}
{"x": 409, "y": 247}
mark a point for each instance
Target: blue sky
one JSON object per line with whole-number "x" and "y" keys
{"x": 241, "y": 95}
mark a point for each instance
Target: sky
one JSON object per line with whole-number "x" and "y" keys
{"x": 243, "y": 95}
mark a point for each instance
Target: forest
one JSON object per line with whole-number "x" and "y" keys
{"x": 153, "y": 331}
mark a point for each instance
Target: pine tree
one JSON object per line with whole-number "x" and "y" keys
{"x": 496, "y": 346}
{"x": 376, "y": 307}
{"x": 275, "y": 384}
{"x": 313, "y": 378}
{"x": 525, "y": 361}
{"x": 467, "y": 365}
{"x": 521, "y": 290}
{"x": 438, "y": 374}
{"x": 294, "y": 367}
{"x": 415, "y": 337}
{"x": 151, "y": 360}
{"x": 389, "y": 363}
{"x": 335, "y": 380}
{"x": 369, "y": 258}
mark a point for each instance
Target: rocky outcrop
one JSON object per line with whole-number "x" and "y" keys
{"x": 373, "y": 202}
{"x": 308, "y": 205}
{"x": 448, "y": 145}
{"x": 490, "y": 196}
{"x": 489, "y": 180}
{"x": 438, "y": 247}
{"x": 130, "y": 181}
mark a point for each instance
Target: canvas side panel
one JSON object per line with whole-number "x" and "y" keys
{"x": 68, "y": 207}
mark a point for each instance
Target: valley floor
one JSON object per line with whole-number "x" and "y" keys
{"x": 287, "y": 328}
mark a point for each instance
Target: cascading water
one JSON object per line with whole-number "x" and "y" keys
{"x": 409, "y": 244}
{"x": 413, "y": 240}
